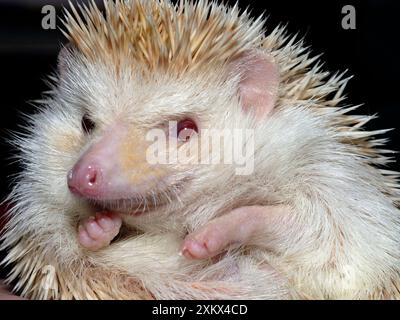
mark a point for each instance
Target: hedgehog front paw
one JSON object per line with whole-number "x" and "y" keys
{"x": 243, "y": 226}
{"x": 98, "y": 231}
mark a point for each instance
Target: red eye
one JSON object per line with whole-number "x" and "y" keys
{"x": 186, "y": 129}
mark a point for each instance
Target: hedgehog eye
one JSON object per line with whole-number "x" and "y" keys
{"x": 186, "y": 129}
{"x": 87, "y": 124}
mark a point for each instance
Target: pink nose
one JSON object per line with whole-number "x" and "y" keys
{"x": 85, "y": 180}
{"x": 100, "y": 174}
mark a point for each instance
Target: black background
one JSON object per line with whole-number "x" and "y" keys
{"x": 28, "y": 54}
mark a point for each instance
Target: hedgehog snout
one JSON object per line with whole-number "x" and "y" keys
{"x": 114, "y": 167}
{"x": 85, "y": 180}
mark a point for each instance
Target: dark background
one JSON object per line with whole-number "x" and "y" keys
{"x": 28, "y": 54}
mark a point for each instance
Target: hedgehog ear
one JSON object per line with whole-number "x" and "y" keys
{"x": 259, "y": 82}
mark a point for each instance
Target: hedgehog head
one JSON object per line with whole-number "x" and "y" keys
{"x": 147, "y": 68}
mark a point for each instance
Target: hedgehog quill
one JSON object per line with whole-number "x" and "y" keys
{"x": 317, "y": 219}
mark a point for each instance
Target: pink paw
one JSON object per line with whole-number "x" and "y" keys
{"x": 206, "y": 243}
{"x": 97, "y": 232}
{"x": 242, "y": 226}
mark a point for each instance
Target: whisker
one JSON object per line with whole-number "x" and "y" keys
{"x": 164, "y": 194}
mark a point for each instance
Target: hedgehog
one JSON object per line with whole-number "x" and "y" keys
{"x": 91, "y": 217}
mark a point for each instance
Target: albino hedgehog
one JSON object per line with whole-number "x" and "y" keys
{"x": 92, "y": 218}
